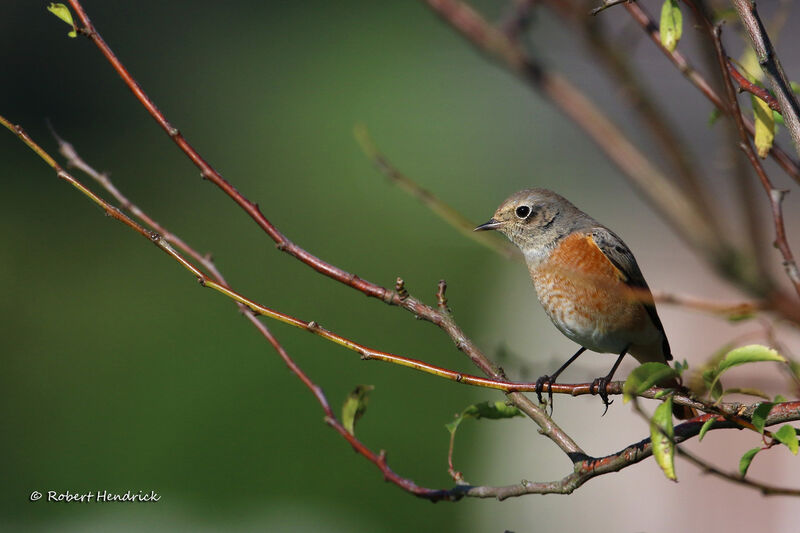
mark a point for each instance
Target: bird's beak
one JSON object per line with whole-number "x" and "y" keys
{"x": 491, "y": 224}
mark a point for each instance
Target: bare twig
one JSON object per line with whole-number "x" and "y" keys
{"x": 606, "y": 4}
{"x": 449, "y": 214}
{"x": 771, "y": 66}
{"x": 726, "y": 309}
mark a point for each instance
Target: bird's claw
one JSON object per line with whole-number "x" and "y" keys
{"x": 600, "y": 387}
{"x": 540, "y": 383}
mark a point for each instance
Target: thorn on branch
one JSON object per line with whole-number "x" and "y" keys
{"x": 746, "y": 85}
{"x": 155, "y": 236}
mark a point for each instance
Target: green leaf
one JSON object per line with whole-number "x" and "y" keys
{"x": 795, "y": 87}
{"x": 759, "y": 418}
{"x": 63, "y": 12}
{"x": 747, "y": 458}
{"x": 748, "y": 354}
{"x": 671, "y": 25}
{"x": 706, "y": 426}
{"x": 739, "y": 356}
{"x": 788, "y": 436}
{"x": 779, "y": 399}
{"x": 645, "y": 376}
{"x": 778, "y": 118}
{"x": 491, "y": 410}
{"x": 661, "y": 435}
{"x": 354, "y": 407}
{"x": 765, "y": 126}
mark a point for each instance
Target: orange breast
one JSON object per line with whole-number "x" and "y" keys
{"x": 586, "y": 295}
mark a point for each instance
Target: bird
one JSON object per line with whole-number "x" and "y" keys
{"x": 588, "y": 282}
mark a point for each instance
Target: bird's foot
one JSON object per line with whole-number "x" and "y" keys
{"x": 540, "y": 383}
{"x": 600, "y": 387}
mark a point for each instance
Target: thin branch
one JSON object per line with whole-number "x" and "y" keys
{"x": 768, "y": 59}
{"x": 726, "y": 309}
{"x": 446, "y": 212}
{"x": 765, "y": 489}
{"x": 606, "y": 4}
{"x": 750, "y": 87}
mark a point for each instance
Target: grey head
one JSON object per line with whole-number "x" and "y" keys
{"x": 536, "y": 219}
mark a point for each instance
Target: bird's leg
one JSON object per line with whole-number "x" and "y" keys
{"x": 600, "y": 385}
{"x": 549, "y": 380}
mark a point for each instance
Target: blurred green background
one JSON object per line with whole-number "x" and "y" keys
{"x": 120, "y": 373}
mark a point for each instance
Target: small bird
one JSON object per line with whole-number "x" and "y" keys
{"x": 587, "y": 281}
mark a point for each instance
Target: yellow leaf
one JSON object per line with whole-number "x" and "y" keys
{"x": 765, "y": 126}
{"x": 661, "y": 435}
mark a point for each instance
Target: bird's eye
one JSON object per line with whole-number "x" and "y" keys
{"x": 523, "y": 211}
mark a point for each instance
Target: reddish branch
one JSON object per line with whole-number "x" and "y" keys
{"x": 750, "y": 87}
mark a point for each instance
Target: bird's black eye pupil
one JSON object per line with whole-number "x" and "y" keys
{"x": 523, "y": 211}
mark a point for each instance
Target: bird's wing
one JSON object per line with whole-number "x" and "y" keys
{"x": 621, "y": 257}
